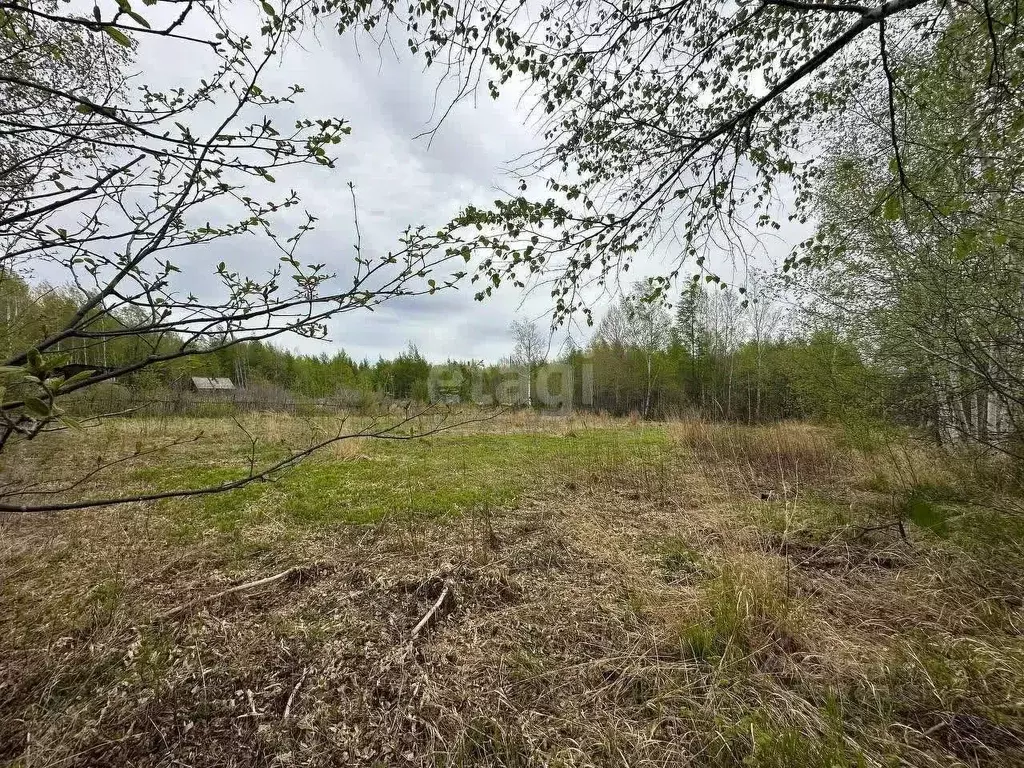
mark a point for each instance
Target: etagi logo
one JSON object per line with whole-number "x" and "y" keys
{"x": 554, "y": 385}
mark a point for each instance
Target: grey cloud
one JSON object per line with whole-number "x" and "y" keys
{"x": 399, "y": 182}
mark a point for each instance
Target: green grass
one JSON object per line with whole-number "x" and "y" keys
{"x": 429, "y": 477}
{"x": 678, "y": 557}
{"x": 777, "y": 745}
{"x": 743, "y": 609}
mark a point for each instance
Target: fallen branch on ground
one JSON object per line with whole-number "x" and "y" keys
{"x": 897, "y": 524}
{"x": 428, "y": 617}
{"x": 296, "y": 569}
{"x": 431, "y": 616}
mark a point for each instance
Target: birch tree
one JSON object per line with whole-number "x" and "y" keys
{"x": 676, "y": 125}
{"x": 529, "y": 353}
{"x": 931, "y": 278}
{"x": 650, "y": 329}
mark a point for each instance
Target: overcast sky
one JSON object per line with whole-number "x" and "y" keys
{"x": 399, "y": 181}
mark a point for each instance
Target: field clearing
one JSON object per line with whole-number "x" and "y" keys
{"x": 520, "y": 591}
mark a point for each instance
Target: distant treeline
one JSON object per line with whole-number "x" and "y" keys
{"x": 723, "y": 355}
{"x": 718, "y": 355}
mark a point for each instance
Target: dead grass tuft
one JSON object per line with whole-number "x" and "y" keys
{"x": 770, "y": 461}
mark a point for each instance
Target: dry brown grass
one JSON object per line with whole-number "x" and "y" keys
{"x": 649, "y": 611}
{"x": 777, "y": 458}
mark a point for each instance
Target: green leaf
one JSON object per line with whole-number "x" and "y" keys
{"x": 965, "y": 244}
{"x": 85, "y": 109}
{"x": 35, "y": 360}
{"x": 76, "y": 379}
{"x": 138, "y": 19}
{"x": 268, "y": 8}
{"x": 37, "y": 407}
{"x": 74, "y": 424}
{"x": 119, "y": 37}
{"x": 893, "y": 209}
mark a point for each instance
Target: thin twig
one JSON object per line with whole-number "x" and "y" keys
{"x": 239, "y": 588}
{"x": 429, "y": 615}
{"x": 295, "y": 690}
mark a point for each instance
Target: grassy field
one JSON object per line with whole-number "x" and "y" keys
{"x": 519, "y": 592}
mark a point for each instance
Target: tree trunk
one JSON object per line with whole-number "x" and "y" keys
{"x": 958, "y": 419}
{"x": 647, "y": 394}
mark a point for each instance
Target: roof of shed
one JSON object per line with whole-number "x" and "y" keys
{"x": 202, "y": 382}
